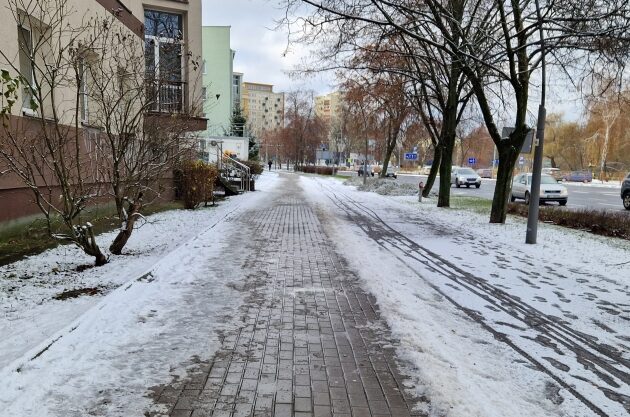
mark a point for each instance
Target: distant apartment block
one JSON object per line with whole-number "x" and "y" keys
{"x": 263, "y": 108}
{"x": 328, "y": 107}
{"x": 217, "y": 69}
{"x": 237, "y": 85}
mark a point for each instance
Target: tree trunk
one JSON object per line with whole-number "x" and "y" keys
{"x": 84, "y": 238}
{"x": 435, "y": 167}
{"x": 444, "y": 196}
{"x": 391, "y": 145}
{"x": 125, "y": 233}
{"x": 507, "y": 159}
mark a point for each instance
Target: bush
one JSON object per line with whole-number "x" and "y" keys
{"x": 311, "y": 169}
{"x": 256, "y": 168}
{"x": 599, "y": 222}
{"x": 197, "y": 183}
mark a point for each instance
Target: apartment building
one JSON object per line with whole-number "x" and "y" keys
{"x": 328, "y": 107}
{"x": 237, "y": 86}
{"x": 263, "y": 108}
{"x": 166, "y": 33}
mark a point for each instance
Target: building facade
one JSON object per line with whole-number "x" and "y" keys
{"x": 263, "y": 108}
{"x": 237, "y": 88}
{"x": 217, "y": 69}
{"x": 165, "y": 34}
{"x": 328, "y": 107}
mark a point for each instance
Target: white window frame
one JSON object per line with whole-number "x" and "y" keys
{"x": 26, "y": 109}
{"x": 157, "y": 40}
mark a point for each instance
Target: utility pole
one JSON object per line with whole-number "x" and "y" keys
{"x": 365, "y": 162}
{"x": 532, "y": 218}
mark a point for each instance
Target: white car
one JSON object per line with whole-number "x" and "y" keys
{"x": 461, "y": 176}
{"x": 550, "y": 189}
{"x": 392, "y": 171}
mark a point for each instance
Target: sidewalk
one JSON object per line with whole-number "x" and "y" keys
{"x": 311, "y": 343}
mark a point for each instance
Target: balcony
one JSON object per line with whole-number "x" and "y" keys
{"x": 167, "y": 104}
{"x": 166, "y": 96}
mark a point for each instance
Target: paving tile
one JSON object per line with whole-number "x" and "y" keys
{"x": 306, "y": 345}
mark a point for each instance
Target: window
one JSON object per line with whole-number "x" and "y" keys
{"x": 25, "y": 42}
{"x": 163, "y": 60}
{"x": 203, "y": 67}
{"x": 204, "y": 93}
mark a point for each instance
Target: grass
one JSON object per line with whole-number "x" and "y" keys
{"x": 30, "y": 238}
{"x": 476, "y": 204}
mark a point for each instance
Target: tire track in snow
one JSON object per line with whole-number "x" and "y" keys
{"x": 603, "y": 361}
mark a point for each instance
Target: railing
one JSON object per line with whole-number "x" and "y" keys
{"x": 166, "y": 96}
{"x": 231, "y": 169}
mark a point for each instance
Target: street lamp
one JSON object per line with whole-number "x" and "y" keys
{"x": 532, "y": 218}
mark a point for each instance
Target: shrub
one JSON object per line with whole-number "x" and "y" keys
{"x": 256, "y": 168}
{"x": 197, "y": 183}
{"x": 311, "y": 169}
{"x": 600, "y": 222}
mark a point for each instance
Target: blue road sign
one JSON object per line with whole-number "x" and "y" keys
{"x": 521, "y": 160}
{"x": 472, "y": 161}
{"x": 411, "y": 156}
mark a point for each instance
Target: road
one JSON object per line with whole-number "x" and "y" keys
{"x": 580, "y": 196}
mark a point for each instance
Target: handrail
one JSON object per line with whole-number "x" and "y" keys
{"x": 239, "y": 167}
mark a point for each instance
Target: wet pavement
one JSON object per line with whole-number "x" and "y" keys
{"x": 310, "y": 341}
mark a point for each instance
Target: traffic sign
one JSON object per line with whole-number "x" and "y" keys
{"x": 521, "y": 160}
{"x": 472, "y": 161}
{"x": 411, "y": 156}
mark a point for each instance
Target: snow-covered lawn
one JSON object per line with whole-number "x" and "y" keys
{"x": 159, "y": 308}
{"x": 491, "y": 326}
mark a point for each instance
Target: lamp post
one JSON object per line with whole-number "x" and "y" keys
{"x": 532, "y": 218}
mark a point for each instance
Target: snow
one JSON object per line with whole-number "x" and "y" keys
{"x": 486, "y": 325}
{"x": 154, "y": 320}
{"x": 479, "y": 313}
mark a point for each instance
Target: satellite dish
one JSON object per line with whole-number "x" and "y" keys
{"x": 213, "y": 142}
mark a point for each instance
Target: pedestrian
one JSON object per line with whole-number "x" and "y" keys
{"x": 269, "y": 163}
{"x": 420, "y": 190}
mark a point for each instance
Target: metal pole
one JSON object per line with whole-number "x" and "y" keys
{"x": 365, "y": 162}
{"x": 532, "y": 218}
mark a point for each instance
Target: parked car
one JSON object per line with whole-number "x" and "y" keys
{"x": 465, "y": 176}
{"x": 554, "y": 172}
{"x": 392, "y": 171}
{"x": 550, "y": 189}
{"x": 368, "y": 170}
{"x": 485, "y": 172}
{"x": 625, "y": 192}
{"x": 426, "y": 170}
{"x": 579, "y": 176}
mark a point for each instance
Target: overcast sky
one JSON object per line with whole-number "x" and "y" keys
{"x": 259, "y": 48}
{"x": 260, "y": 53}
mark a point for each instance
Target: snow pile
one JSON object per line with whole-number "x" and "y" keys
{"x": 383, "y": 186}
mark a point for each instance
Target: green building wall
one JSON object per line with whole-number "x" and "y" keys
{"x": 217, "y": 78}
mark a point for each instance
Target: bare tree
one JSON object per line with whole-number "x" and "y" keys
{"x": 45, "y": 149}
{"x": 129, "y": 83}
{"x": 496, "y": 45}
